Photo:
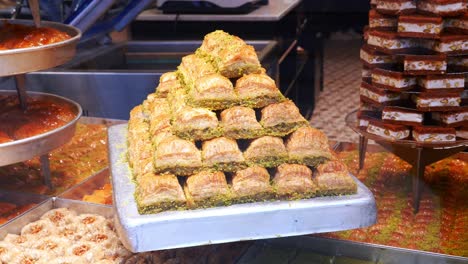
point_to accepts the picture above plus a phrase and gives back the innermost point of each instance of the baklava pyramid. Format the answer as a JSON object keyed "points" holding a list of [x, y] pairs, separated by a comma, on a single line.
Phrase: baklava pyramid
{"points": [[219, 131]]}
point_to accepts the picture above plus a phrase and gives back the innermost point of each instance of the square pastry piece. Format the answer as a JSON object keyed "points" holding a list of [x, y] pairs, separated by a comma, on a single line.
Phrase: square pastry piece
{"points": [[437, 101], [266, 151], [294, 181], [462, 132], [453, 118], [222, 154], [372, 58], [196, 124], [451, 82], [240, 122], [177, 156], [425, 64], [333, 178], [167, 82], [388, 131], [378, 97], [206, 189], [212, 91], [434, 134], [252, 184], [389, 42], [258, 90], [420, 26], [158, 192], [402, 116], [193, 67], [392, 80], [378, 20], [396, 7], [442, 7], [308, 146], [280, 119]]}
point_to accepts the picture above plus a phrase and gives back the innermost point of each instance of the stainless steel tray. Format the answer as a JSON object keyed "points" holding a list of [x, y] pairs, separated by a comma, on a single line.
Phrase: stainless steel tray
{"points": [[175, 229], [14, 227], [17, 61], [337, 249], [27, 148]]}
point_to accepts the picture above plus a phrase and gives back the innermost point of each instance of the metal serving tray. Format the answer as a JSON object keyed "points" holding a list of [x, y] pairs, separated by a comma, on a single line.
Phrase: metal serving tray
{"points": [[14, 227], [175, 229], [26, 148], [293, 247], [17, 61]]}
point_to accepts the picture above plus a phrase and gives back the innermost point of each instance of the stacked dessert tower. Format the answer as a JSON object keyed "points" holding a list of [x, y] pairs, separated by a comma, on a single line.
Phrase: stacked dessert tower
{"points": [[218, 131], [415, 69]]}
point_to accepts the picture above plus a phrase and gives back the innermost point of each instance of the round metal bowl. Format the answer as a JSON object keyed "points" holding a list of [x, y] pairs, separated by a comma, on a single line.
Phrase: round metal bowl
{"points": [[27, 148], [18, 61]]}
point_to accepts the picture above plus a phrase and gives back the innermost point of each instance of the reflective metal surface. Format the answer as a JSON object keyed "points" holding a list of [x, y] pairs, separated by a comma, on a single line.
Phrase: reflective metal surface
{"points": [[27, 148], [175, 229], [17, 61]]}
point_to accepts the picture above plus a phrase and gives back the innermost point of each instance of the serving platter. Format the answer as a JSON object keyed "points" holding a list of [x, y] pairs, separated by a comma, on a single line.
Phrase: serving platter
{"points": [[27, 148], [177, 229], [18, 61]]}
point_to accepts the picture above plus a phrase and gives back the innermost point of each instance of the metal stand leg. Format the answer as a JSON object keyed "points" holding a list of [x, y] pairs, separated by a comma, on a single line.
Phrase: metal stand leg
{"points": [[20, 81], [418, 174], [45, 169], [362, 150]]}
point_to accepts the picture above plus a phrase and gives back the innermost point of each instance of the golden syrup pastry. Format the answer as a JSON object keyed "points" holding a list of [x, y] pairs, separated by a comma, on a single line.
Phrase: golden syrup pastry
{"points": [[196, 124], [308, 146], [252, 184], [207, 188], [333, 178], [266, 151], [282, 118], [212, 91], [222, 154], [294, 181], [257, 90], [178, 155], [240, 122]]}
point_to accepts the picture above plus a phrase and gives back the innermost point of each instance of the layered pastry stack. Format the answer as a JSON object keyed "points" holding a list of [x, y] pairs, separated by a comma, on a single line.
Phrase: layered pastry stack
{"points": [[218, 131], [415, 67]]}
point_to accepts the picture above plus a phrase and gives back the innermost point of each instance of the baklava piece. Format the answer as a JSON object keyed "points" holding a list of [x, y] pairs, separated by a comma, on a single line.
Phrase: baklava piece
{"points": [[392, 80], [280, 119], [159, 116], [196, 124], [177, 100], [294, 181], [266, 151], [433, 134], [402, 116], [258, 90], [455, 118], [222, 154], [158, 192], [333, 178], [308, 146], [177, 156], [240, 122], [443, 101], [167, 82], [388, 131], [140, 152], [207, 189], [396, 7], [252, 184], [425, 64], [231, 55], [451, 82], [193, 67], [213, 91]]}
